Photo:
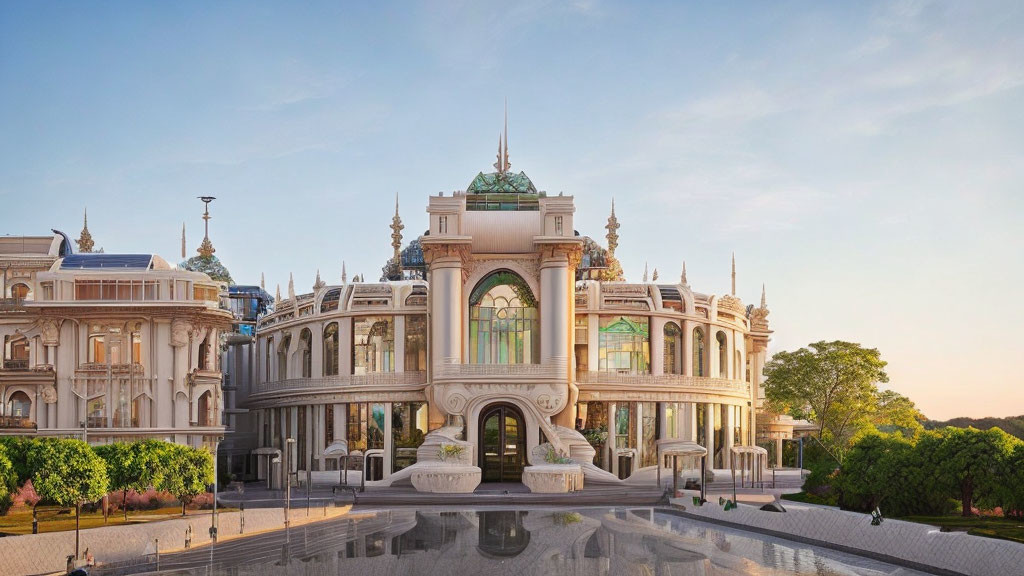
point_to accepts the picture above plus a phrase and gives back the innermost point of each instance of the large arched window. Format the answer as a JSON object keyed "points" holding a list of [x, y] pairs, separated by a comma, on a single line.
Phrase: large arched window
{"points": [[415, 343], [206, 416], [373, 349], [723, 355], [282, 357], [331, 300], [623, 345], [20, 405], [503, 323], [673, 340], [306, 345], [331, 349], [699, 353], [15, 353], [19, 291]]}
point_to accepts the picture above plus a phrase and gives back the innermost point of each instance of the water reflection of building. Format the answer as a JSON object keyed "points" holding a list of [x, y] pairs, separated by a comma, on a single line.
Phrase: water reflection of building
{"points": [[512, 326]]}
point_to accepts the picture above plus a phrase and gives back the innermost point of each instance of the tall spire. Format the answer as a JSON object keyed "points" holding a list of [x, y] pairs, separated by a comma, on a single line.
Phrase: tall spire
{"points": [[263, 283], [764, 301], [277, 296], [206, 248], [318, 284], [506, 164], [682, 277], [613, 231], [499, 165], [84, 241], [396, 236], [291, 287], [733, 273], [654, 276], [645, 271], [184, 253], [344, 276]]}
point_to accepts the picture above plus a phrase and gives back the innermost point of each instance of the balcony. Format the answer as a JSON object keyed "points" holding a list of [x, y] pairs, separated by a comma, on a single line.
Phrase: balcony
{"points": [[500, 371], [17, 422], [100, 368], [11, 304], [666, 382], [16, 364], [342, 383]]}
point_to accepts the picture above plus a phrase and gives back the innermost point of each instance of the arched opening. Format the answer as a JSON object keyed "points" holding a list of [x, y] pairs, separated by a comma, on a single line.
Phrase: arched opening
{"points": [[624, 345], [415, 343], [374, 345], [502, 534], [502, 452], [723, 355], [268, 357], [19, 292], [673, 342], [699, 353], [503, 323], [15, 353], [331, 349], [206, 417], [19, 405], [306, 346], [204, 354], [282, 357], [331, 300]]}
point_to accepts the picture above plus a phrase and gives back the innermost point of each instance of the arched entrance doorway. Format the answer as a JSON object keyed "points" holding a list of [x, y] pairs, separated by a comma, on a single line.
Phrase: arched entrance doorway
{"points": [[502, 444]]}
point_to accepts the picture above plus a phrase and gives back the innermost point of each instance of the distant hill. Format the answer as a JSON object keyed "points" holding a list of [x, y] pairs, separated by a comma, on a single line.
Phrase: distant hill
{"points": [[1011, 425]]}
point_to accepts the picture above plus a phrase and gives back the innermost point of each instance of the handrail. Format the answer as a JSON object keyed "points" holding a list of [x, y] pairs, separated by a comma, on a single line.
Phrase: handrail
{"points": [[343, 381]]}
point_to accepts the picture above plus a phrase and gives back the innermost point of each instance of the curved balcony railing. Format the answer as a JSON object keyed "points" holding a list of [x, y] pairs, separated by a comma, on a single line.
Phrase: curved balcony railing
{"points": [[664, 380], [383, 379], [471, 371]]}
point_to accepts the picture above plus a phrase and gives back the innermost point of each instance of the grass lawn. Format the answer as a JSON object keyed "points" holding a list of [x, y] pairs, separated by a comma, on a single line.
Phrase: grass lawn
{"points": [[992, 527], [19, 521]]}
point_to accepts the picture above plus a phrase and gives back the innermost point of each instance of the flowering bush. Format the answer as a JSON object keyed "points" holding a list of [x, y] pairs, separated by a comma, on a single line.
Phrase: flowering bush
{"points": [[26, 495]]}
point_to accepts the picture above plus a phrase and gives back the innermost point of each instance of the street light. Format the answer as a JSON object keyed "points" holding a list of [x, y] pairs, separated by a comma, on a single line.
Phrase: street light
{"points": [[287, 481]]}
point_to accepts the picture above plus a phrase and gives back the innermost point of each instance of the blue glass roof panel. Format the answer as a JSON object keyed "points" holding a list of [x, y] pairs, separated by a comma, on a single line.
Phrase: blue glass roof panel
{"points": [[106, 262]]}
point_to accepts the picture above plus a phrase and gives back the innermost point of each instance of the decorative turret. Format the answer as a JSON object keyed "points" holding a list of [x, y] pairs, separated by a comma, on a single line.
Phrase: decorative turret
{"points": [[206, 249], [759, 316], [396, 237], [84, 241], [682, 277], [205, 261], [654, 276], [344, 276], [645, 271], [318, 284], [733, 274], [277, 296], [291, 288], [613, 231]]}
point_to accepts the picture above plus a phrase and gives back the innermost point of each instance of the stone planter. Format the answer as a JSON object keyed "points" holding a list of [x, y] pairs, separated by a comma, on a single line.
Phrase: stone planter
{"points": [[444, 478], [553, 478]]}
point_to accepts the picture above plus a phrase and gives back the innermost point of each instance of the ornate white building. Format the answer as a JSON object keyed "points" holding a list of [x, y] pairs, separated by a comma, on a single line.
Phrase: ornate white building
{"points": [[107, 346], [501, 328]]}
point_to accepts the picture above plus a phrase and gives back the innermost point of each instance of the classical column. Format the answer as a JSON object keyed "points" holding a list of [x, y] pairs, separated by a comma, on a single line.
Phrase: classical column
{"points": [[613, 462], [657, 332], [399, 343], [446, 292], [709, 432], [389, 442], [727, 436], [554, 310]]}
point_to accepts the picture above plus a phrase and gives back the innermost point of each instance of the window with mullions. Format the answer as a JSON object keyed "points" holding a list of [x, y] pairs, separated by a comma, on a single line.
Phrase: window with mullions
{"points": [[673, 341], [374, 345], [723, 355], [415, 343], [331, 349], [623, 345], [699, 353], [503, 322]]}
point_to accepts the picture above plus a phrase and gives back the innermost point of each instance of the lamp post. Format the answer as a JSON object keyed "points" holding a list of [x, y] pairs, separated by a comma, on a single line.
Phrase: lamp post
{"points": [[287, 481], [213, 517]]}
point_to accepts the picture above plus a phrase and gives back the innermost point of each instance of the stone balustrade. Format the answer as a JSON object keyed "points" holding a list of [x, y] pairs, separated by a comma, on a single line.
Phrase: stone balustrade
{"points": [[341, 382], [664, 380]]}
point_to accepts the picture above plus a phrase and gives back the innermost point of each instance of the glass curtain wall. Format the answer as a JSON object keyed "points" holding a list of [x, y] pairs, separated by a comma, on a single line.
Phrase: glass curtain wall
{"points": [[624, 345], [408, 428], [365, 426], [673, 343], [504, 327]]}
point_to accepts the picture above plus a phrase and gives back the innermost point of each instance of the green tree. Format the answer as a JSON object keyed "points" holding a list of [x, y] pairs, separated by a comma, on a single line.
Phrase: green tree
{"points": [[187, 472], [8, 481], [872, 470], [132, 466], [1011, 489], [17, 448], [969, 463], [832, 383], [897, 413], [67, 473]]}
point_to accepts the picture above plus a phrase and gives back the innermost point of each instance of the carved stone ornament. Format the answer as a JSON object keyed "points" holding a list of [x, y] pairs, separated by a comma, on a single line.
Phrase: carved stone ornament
{"points": [[731, 303], [49, 394], [50, 329], [759, 319], [179, 332]]}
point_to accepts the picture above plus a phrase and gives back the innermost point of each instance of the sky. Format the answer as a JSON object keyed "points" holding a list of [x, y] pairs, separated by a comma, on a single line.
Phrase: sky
{"points": [[863, 160]]}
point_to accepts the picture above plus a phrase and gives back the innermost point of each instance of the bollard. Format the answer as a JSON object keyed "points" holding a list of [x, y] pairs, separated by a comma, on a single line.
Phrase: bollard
{"points": [[157, 545], [188, 537], [241, 519]]}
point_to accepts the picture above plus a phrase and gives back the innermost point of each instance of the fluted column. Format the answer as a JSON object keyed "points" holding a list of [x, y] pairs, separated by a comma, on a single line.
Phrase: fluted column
{"points": [[554, 310], [709, 432], [657, 335], [446, 311]]}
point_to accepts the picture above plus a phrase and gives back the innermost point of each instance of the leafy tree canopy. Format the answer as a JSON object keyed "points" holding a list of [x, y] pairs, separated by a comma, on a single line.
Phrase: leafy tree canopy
{"points": [[66, 471]]}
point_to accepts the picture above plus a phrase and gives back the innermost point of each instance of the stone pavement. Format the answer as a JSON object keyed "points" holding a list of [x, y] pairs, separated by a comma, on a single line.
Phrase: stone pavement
{"points": [[916, 546], [47, 553]]}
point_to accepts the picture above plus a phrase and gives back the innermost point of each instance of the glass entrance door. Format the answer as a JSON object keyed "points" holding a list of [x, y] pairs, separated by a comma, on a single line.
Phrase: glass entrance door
{"points": [[502, 444]]}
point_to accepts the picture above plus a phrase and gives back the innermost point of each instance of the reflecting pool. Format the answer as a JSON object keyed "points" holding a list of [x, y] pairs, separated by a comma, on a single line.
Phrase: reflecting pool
{"points": [[584, 542]]}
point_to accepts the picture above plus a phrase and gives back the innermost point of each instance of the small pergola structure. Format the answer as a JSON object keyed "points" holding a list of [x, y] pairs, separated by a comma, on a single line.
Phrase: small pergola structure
{"points": [[677, 448], [752, 458], [339, 449]]}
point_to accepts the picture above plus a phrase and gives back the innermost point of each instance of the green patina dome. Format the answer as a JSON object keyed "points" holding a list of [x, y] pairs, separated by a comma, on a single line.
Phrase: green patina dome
{"points": [[501, 183], [209, 265]]}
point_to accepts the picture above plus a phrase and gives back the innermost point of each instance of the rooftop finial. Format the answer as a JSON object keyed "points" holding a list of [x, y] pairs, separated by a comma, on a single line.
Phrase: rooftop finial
{"points": [[184, 253], [206, 248], [318, 284], [291, 287], [764, 301], [396, 235], [344, 276], [613, 231], [277, 296], [682, 277], [645, 271], [84, 241], [263, 282], [506, 164], [498, 164], [654, 276], [733, 273]]}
